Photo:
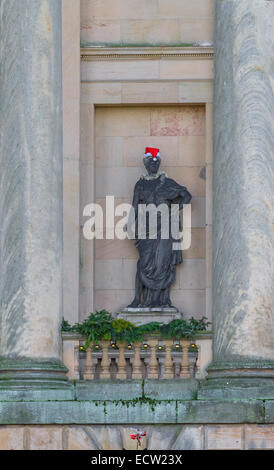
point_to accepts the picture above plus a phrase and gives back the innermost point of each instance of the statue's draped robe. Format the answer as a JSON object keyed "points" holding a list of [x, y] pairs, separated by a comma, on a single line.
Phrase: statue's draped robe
{"points": [[156, 268]]}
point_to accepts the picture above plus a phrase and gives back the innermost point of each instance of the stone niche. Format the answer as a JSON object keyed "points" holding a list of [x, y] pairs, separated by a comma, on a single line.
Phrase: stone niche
{"points": [[121, 135], [132, 97]]}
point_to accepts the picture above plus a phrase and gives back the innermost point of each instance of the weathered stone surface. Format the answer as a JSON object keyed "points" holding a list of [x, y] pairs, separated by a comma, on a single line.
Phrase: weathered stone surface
{"points": [[186, 69], [259, 437], [171, 389], [71, 150], [139, 316], [117, 437], [150, 31], [121, 70], [149, 92], [107, 437], [122, 122], [31, 181], [161, 437], [101, 92], [45, 437], [178, 121], [112, 300], [189, 438], [269, 411], [224, 437], [175, 8], [191, 302], [11, 438], [87, 412], [94, 437], [108, 390], [243, 191], [220, 412], [79, 438], [226, 387], [12, 392], [86, 274], [150, 21], [136, 412], [243, 187]]}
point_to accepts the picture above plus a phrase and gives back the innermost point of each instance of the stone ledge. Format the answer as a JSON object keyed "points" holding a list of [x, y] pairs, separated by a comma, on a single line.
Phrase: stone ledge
{"points": [[269, 411], [138, 316], [180, 389], [249, 411], [37, 394], [117, 437], [103, 52], [136, 412], [26, 379], [108, 390], [252, 391]]}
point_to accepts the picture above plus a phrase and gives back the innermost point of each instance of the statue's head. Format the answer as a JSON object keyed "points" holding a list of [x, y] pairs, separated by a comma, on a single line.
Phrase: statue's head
{"points": [[152, 160]]}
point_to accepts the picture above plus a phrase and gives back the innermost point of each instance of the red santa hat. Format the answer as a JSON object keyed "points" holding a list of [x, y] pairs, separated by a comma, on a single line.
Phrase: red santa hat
{"points": [[152, 152]]}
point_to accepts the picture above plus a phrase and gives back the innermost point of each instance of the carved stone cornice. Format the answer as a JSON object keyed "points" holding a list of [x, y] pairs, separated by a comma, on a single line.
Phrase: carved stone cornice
{"points": [[96, 53]]}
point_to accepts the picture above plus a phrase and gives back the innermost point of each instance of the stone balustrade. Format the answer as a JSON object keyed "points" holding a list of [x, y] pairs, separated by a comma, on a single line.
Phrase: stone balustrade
{"points": [[155, 358]]}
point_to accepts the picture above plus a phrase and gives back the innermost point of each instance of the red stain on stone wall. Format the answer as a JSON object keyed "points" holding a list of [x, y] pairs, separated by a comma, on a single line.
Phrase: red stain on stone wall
{"points": [[178, 121]]}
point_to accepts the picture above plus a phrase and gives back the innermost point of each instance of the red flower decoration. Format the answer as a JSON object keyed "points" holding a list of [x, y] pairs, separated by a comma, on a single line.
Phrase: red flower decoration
{"points": [[139, 436]]}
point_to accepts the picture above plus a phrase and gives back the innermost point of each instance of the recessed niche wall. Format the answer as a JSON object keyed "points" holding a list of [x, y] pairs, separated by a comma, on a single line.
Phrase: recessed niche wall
{"points": [[121, 134]]}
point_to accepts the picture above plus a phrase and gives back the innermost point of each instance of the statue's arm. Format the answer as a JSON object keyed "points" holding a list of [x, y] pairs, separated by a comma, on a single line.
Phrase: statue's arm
{"points": [[186, 196], [177, 193]]}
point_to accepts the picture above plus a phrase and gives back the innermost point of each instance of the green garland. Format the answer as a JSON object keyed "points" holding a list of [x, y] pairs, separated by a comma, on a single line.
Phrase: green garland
{"points": [[101, 326]]}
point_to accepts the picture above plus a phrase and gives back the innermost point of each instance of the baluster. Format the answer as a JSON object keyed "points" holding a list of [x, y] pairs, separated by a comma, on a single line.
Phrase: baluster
{"points": [[177, 367], [137, 363], [121, 373], [161, 361], [153, 364], [88, 375], [168, 373], [76, 375], [198, 360], [177, 360], [185, 362], [105, 364], [146, 364]]}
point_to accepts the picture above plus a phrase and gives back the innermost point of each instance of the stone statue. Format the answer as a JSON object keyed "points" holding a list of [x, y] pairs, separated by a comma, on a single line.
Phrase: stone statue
{"points": [[156, 267]]}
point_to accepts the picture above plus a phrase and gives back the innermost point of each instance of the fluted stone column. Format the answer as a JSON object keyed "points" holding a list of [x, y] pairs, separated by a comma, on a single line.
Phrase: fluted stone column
{"points": [[31, 194], [243, 319]]}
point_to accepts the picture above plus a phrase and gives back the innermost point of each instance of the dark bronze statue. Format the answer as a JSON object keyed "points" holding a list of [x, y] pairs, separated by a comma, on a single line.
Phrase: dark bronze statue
{"points": [[156, 267]]}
